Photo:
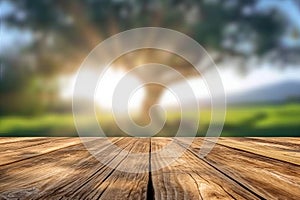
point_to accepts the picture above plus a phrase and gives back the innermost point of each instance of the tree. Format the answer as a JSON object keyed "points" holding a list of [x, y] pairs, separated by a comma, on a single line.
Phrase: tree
{"points": [[227, 29]]}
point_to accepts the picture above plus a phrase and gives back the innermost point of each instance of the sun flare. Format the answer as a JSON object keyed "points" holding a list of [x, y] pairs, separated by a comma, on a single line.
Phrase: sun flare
{"points": [[105, 89]]}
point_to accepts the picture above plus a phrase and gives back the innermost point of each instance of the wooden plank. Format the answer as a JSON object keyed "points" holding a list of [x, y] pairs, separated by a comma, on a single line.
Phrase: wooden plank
{"points": [[130, 179], [285, 149], [105, 182], [270, 178], [16, 151], [17, 139], [284, 140], [19, 145], [75, 174], [51, 174], [189, 177]]}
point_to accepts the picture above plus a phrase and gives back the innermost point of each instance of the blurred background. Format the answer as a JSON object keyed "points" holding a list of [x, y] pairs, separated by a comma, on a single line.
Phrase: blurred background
{"points": [[255, 44]]}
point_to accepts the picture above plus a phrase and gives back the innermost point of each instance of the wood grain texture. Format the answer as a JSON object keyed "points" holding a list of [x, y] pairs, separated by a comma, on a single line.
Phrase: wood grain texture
{"points": [[15, 151], [267, 177], [62, 168], [189, 177], [284, 149], [16, 139]]}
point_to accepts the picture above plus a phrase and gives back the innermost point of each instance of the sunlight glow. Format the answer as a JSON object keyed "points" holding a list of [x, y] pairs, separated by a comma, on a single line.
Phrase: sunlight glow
{"points": [[232, 81], [104, 92]]}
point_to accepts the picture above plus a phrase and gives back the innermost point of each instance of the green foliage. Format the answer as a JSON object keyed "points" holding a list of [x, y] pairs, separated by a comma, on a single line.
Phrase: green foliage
{"points": [[270, 120], [52, 125]]}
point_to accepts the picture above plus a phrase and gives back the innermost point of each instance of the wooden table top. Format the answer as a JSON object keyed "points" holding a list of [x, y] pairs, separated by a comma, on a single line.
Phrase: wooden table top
{"points": [[236, 168]]}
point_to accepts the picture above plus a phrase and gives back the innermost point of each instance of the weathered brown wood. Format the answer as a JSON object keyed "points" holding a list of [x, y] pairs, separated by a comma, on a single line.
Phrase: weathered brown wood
{"points": [[74, 173], [191, 178], [17, 139], [269, 178], [15, 151], [123, 183], [285, 149], [55, 173], [62, 168], [106, 182]]}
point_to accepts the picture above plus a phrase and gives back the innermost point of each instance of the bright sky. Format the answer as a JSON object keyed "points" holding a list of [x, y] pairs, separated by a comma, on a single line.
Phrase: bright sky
{"points": [[232, 81]]}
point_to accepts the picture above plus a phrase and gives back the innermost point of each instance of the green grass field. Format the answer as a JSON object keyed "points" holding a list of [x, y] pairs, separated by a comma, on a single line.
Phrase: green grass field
{"points": [[259, 120]]}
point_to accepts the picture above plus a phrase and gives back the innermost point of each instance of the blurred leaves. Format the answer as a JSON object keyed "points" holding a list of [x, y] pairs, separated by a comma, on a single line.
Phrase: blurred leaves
{"points": [[64, 32]]}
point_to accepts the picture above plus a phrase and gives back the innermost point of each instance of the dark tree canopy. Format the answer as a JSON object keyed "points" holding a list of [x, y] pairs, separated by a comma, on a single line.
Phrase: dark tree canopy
{"points": [[70, 29]]}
